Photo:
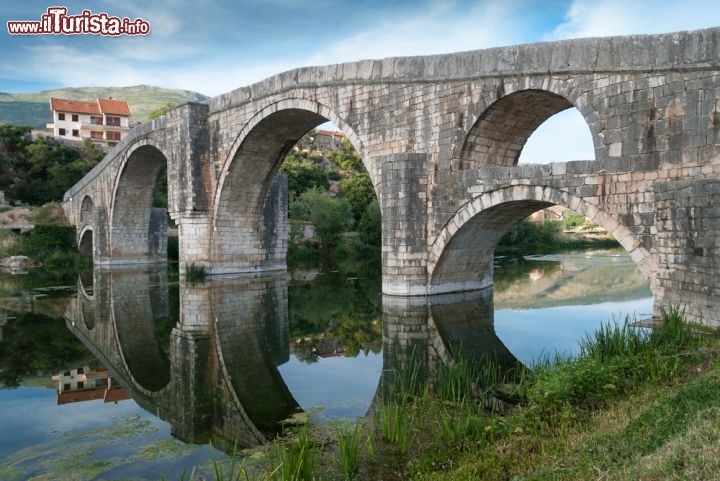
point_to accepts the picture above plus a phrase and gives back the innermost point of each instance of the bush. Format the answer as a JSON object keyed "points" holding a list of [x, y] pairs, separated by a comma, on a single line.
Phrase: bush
{"points": [[46, 239], [526, 235], [584, 383]]}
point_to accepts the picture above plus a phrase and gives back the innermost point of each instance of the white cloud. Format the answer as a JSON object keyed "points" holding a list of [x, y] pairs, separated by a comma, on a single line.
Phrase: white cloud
{"points": [[443, 27], [77, 68], [600, 18]]}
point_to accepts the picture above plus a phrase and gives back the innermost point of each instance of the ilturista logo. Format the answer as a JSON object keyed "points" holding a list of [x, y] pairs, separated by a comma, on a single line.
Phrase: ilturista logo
{"points": [[56, 21]]}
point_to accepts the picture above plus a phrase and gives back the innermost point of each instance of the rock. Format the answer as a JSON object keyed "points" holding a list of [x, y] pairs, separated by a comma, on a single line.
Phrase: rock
{"points": [[16, 264]]}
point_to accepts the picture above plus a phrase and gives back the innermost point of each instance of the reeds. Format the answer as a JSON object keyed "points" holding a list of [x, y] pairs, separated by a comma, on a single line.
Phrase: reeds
{"points": [[297, 460], [348, 439]]}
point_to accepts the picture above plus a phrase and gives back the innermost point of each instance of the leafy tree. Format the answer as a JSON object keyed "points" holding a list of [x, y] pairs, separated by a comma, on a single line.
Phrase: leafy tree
{"points": [[528, 236], [330, 216], [347, 158], [369, 226], [358, 190], [303, 175], [160, 111], [13, 139], [50, 169], [40, 171]]}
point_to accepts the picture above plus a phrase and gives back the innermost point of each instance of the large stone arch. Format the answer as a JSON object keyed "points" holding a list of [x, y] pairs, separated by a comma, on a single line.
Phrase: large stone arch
{"points": [[246, 235], [138, 232], [511, 114], [461, 256], [143, 359]]}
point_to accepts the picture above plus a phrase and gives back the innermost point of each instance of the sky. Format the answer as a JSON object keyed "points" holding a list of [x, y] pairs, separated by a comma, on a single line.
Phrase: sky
{"points": [[215, 47]]}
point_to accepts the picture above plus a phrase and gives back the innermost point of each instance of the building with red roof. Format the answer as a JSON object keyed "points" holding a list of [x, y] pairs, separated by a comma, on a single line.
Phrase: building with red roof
{"points": [[105, 121], [327, 139]]}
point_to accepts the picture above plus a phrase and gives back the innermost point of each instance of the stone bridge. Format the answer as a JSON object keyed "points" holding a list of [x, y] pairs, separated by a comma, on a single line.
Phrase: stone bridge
{"points": [[441, 137]]}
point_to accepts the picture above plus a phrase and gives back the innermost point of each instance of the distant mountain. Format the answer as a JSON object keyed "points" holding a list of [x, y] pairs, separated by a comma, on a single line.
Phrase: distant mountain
{"points": [[34, 108]]}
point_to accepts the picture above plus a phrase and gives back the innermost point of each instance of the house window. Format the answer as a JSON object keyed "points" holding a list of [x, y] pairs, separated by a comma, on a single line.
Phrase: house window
{"points": [[113, 136], [81, 385], [96, 120], [61, 132], [66, 387], [74, 117], [113, 121], [96, 135], [61, 116], [76, 133], [81, 370]]}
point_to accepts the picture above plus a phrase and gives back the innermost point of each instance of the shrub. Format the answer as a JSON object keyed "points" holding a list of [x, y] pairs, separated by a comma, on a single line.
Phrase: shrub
{"points": [[195, 273], [584, 383], [46, 239]]}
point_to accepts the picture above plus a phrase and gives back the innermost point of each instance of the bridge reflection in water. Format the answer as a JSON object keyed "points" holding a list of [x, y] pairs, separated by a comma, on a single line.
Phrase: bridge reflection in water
{"points": [[214, 377]]}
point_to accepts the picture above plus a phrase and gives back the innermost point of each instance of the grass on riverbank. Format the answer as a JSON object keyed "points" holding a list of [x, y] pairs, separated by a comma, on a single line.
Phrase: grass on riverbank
{"points": [[51, 242], [547, 237], [51, 245], [632, 405]]}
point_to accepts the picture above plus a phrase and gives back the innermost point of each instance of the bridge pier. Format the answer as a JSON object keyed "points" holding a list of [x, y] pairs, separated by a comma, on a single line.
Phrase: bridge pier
{"points": [[194, 237], [403, 204]]}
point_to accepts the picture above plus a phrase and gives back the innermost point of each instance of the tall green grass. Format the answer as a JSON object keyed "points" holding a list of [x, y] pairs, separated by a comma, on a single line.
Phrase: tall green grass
{"points": [[422, 427], [348, 438], [617, 358], [298, 459]]}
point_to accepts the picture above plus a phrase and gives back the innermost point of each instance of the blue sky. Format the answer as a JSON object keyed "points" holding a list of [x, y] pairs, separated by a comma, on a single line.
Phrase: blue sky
{"points": [[216, 47]]}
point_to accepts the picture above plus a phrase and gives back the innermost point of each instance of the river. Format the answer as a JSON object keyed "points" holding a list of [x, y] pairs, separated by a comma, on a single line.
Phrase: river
{"points": [[129, 374]]}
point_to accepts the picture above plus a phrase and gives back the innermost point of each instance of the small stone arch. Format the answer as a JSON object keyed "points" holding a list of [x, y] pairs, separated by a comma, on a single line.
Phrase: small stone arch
{"points": [[86, 210], [510, 115], [461, 256], [85, 242]]}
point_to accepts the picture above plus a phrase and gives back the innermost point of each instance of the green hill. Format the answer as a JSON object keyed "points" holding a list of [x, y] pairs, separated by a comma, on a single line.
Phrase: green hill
{"points": [[34, 108]]}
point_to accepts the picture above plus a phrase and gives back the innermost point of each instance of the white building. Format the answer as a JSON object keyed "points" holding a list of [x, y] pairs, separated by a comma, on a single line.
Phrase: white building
{"points": [[104, 121], [328, 139]]}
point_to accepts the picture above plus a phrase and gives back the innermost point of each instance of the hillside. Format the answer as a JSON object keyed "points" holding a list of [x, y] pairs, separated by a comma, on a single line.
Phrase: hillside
{"points": [[34, 108]]}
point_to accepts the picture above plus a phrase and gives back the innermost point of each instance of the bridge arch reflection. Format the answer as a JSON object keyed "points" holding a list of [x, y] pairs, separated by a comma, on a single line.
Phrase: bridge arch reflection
{"points": [[217, 379]]}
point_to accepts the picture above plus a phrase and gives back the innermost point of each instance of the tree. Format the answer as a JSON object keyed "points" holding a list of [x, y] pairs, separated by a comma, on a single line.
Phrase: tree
{"points": [[330, 216], [303, 175], [160, 111], [50, 169], [347, 158], [369, 226], [358, 190]]}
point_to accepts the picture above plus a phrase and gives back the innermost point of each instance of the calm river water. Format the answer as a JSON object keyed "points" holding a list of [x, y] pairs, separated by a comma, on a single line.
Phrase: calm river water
{"points": [[129, 374]]}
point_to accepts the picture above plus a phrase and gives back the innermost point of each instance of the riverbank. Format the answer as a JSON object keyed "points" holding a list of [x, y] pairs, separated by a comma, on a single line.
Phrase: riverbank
{"points": [[631, 406]]}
